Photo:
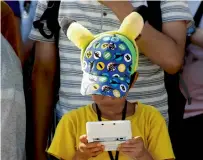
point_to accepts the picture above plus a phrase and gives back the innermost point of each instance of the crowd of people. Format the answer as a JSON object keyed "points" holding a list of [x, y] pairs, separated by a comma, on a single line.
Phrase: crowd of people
{"points": [[52, 64]]}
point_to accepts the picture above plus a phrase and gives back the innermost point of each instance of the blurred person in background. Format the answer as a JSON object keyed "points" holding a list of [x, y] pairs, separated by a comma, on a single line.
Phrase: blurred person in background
{"points": [[10, 25], [13, 116], [27, 8], [190, 148]]}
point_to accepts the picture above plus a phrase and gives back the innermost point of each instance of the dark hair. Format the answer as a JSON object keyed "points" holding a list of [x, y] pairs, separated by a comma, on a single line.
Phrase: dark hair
{"points": [[132, 78]]}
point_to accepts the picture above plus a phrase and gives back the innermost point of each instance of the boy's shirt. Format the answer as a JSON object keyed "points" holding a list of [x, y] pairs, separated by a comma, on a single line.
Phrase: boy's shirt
{"points": [[146, 122], [149, 88]]}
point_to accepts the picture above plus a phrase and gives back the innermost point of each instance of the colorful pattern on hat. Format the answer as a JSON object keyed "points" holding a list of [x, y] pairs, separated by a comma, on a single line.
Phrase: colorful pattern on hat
{"points": [[108, 63]]}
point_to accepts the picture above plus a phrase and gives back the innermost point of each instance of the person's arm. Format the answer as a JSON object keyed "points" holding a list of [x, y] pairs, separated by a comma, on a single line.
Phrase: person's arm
{"points": [[15, 7], [43, 94], [165, 49], [18, 25], [10, 28], [196, 38], [42, 84]]}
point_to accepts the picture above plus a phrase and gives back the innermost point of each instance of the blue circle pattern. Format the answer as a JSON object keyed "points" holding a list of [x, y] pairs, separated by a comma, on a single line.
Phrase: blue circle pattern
{"points": [[111, 62]]}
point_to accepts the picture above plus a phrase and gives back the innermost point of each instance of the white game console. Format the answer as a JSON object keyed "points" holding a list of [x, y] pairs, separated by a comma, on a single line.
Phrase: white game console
{"points": [[109, 133]]}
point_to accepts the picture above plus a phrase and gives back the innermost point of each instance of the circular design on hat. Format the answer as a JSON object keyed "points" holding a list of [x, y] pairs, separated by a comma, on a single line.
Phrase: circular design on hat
{"points": [[103, 79], [118, 56], [123, 88], [111, 66], [116, 93], [84, 65], [114, 39], [88, 54], [105, 74], [127, 57], [104, 45], [96, 45], [122, 47], [107, 55], [106, 38], [100, 66], [97, 54], [121, 78], [106, 88], [114, 81], [116, 75], [112, 46], [95, 87], [121, 67]]}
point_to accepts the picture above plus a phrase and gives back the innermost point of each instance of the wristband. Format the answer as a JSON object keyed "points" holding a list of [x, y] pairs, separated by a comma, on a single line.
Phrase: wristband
{"points": [[143, 11]]}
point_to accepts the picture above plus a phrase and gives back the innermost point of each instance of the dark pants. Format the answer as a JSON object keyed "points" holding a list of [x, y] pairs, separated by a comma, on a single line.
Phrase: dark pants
{"points": [[190, 146]]}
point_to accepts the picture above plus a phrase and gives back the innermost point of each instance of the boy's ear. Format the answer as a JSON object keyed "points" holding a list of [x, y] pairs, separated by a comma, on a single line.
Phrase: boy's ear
{"points": [[131, 26], [79, 35]]}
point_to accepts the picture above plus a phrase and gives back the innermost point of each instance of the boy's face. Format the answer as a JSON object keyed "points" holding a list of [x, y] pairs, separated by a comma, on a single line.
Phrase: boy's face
{"points": [[106, 100]]}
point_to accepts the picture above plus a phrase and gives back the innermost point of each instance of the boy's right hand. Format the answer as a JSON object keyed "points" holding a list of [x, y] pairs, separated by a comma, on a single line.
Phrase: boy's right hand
{"points": [[87, 150]]}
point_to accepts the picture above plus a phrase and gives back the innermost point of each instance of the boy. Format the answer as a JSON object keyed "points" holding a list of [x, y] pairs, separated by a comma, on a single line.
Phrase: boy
{"points": [[158, 53], [109, 63]]}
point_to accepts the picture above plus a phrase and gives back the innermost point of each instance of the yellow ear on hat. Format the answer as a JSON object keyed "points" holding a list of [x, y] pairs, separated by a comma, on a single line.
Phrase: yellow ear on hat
{"points": [[132, 26], [79, 35]]}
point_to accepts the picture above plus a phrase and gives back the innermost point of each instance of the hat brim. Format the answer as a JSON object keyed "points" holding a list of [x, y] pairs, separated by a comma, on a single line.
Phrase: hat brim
{"points": [[103, 85]]}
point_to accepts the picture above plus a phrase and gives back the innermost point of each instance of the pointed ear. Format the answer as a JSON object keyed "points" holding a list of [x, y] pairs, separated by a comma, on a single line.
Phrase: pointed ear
{"points": [[132, 26], [79, 35]]}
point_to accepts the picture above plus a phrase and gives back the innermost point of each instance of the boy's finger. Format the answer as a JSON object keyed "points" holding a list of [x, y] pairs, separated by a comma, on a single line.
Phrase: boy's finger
{"points": [[93, 145], [134, 140], [83, 139], [128, 153], [130, 141], [124, 149], [82, 146], [137, 139], [126, 145], [96, 149], [94, 154]]}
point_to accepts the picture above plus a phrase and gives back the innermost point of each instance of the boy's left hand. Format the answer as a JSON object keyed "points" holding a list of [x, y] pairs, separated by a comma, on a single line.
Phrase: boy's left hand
{"points": [[134, 148]]}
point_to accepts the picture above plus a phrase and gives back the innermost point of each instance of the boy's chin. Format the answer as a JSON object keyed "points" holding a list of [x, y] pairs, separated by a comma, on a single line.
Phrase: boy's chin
{"points": [[107, 100]]}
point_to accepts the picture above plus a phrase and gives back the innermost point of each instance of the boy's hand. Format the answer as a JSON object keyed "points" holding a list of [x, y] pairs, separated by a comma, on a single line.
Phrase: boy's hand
{"points": [[87, 150], [135, 149]]}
